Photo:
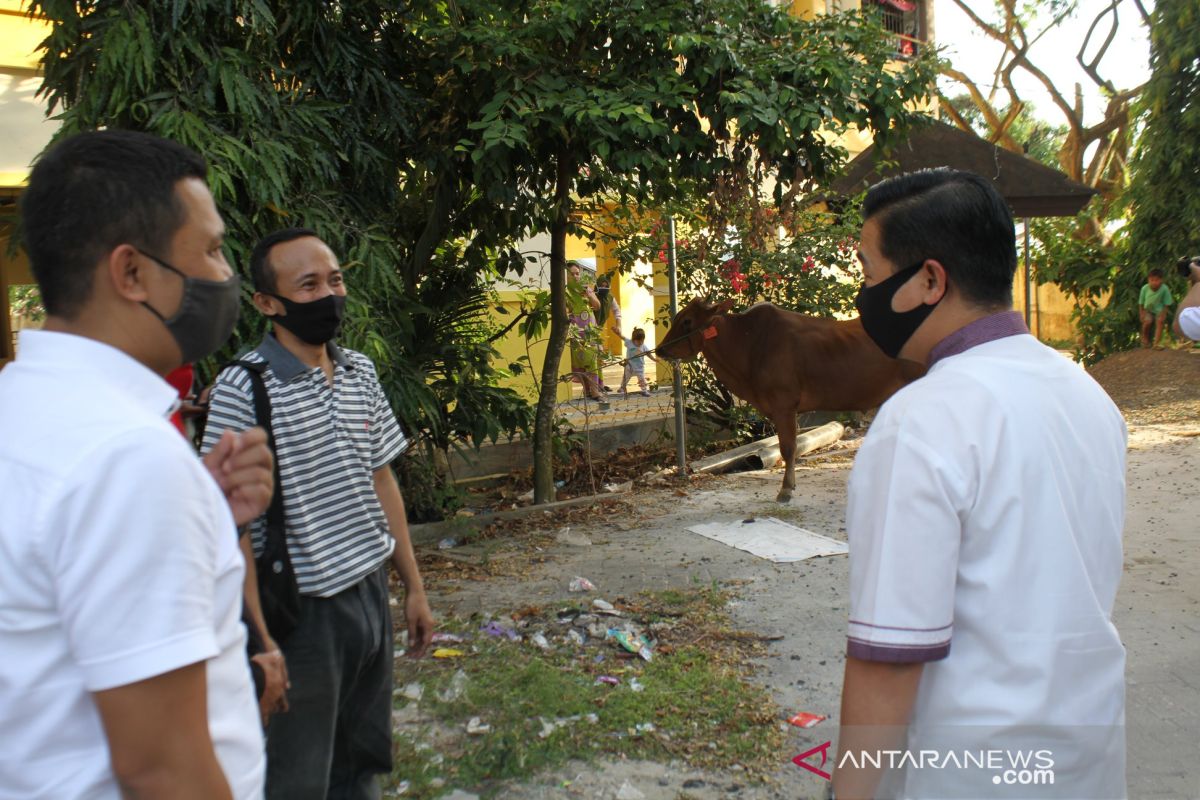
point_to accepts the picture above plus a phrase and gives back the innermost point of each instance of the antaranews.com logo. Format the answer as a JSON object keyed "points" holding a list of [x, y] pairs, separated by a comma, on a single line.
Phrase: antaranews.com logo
{"points": [[1007, 767]]}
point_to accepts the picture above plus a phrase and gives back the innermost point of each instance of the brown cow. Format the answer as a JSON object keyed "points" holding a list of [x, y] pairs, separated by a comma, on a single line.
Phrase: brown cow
{"points": [[783, 363]]}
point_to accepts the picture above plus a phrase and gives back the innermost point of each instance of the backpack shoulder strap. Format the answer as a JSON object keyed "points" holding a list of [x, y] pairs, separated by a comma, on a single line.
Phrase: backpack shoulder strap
{"points": [[262, 414]]}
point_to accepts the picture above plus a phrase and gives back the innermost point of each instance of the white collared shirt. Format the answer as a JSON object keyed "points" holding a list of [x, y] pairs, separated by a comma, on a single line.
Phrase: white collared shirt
{"points": [[118, 562], [985, 513]]}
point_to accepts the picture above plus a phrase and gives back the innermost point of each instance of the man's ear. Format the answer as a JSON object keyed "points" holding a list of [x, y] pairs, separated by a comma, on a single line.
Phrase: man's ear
{"points": [[935, 283], [125, 273], [267, 305]]}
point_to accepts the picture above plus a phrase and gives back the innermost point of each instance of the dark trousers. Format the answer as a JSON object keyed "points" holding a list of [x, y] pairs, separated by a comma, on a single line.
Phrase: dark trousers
{"points": [[337, 736]]}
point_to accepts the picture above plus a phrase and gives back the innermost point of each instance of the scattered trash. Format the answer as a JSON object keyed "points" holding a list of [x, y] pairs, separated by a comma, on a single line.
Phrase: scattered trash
{"points": [[644, 727], [806, 720], [413, 691], [401, 788], [559, 484], [448, 652], [527, 497], [565, 536], [576, 637], [456, 689], [605, 607], [568, 616], [540, 640], [447, 543], [591, 719], [639, 645], [608, 680], [496, 629], [579, 584], [476, 727], [636, 685], [453, 638], [748, 521], [617, 488], [629, 792]]}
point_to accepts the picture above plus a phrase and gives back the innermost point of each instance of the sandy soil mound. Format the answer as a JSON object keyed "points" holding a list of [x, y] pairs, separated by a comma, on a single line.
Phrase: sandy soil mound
{"points": [[1153, 386]]}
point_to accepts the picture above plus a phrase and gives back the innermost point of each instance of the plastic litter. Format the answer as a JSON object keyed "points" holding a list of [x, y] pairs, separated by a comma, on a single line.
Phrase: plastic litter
{"points": [[453, 638], [402, 788], [644, 727], [579, 584], [447, 543], [806, 720], [496, 629], [540, 640], [602, 605], [608, 680], [456, 689], [617, 488], [636, 685], [413, 691], [448, 652], [576, 637], [476, 727], [639, 645]]}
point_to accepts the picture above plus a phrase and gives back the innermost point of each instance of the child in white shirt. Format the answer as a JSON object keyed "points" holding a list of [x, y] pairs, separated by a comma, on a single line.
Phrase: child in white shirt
{"points": [[636, 354]]}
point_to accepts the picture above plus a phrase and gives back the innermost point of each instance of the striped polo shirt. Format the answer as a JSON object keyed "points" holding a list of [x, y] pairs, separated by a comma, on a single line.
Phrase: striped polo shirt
{"points": [[329, 441]]}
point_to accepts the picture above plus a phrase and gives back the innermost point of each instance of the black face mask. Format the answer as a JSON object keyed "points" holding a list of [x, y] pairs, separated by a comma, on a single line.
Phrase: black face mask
{"points": [[207, 313], [314, 322], [888, 328]]}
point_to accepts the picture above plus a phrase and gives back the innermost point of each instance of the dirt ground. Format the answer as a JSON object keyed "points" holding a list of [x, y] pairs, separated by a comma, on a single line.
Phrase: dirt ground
{"points": [[644, 544]]}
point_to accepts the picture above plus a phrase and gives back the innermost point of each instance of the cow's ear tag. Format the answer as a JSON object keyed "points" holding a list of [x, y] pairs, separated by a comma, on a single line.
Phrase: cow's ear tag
{"points": [[710, 332]]}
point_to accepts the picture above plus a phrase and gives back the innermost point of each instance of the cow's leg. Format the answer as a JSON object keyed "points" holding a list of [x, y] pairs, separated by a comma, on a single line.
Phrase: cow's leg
{"points": [[785, 426]]}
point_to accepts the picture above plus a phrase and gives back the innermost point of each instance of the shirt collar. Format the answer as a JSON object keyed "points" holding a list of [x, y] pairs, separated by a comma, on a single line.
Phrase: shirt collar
{"points": [[286, 366], [983, 330], [70, 354]]}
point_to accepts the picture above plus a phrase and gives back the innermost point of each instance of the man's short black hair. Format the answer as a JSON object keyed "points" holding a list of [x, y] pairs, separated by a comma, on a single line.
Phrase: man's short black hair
{"points": [[93, 192], [954, 217], [261, 271], [1155, 272]]}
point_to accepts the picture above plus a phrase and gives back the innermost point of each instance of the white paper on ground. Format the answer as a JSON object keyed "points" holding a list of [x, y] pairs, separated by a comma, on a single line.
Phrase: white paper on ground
{"points": [[772, 539]]}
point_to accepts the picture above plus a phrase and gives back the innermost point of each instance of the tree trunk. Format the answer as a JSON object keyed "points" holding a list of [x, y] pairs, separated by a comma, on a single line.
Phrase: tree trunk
{"points": [[543, 426]]}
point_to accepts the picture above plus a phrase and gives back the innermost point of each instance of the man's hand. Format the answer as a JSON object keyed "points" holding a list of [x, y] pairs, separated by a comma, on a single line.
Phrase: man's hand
{"points": [[274, 667], [242, 465], [420, 623]]}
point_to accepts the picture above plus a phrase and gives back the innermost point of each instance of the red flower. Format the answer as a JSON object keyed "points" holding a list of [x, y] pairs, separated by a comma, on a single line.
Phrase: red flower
{"points": [[808, 264]]}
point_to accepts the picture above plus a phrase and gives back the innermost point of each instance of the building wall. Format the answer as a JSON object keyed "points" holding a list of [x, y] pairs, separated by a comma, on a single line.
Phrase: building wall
{"points": [[24, 132]]}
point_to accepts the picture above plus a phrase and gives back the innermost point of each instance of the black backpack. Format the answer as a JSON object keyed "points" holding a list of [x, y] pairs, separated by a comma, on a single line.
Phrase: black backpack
{"points": [[278, 592]]}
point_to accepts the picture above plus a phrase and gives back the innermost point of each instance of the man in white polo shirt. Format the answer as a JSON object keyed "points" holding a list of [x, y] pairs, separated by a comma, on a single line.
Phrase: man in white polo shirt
{"points": [[1187, 316], [123, 669], [984, 517]]}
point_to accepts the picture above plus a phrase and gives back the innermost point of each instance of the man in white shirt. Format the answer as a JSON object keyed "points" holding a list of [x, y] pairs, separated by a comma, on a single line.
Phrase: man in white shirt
{"points": [[1187, 317], [124, 670], [984, 516]]}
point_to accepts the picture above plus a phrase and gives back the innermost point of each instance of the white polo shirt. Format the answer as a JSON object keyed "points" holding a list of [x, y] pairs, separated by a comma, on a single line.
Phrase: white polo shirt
{"points": [[985, 514], [118, 562], [1189, 322]]}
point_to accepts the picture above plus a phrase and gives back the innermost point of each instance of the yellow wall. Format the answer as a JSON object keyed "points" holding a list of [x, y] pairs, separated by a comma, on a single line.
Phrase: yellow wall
{"points": [[24, 131]]}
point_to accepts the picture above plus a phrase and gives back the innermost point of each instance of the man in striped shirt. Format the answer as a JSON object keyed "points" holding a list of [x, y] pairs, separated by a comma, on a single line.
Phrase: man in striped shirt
{"points": [[335, 438]]}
